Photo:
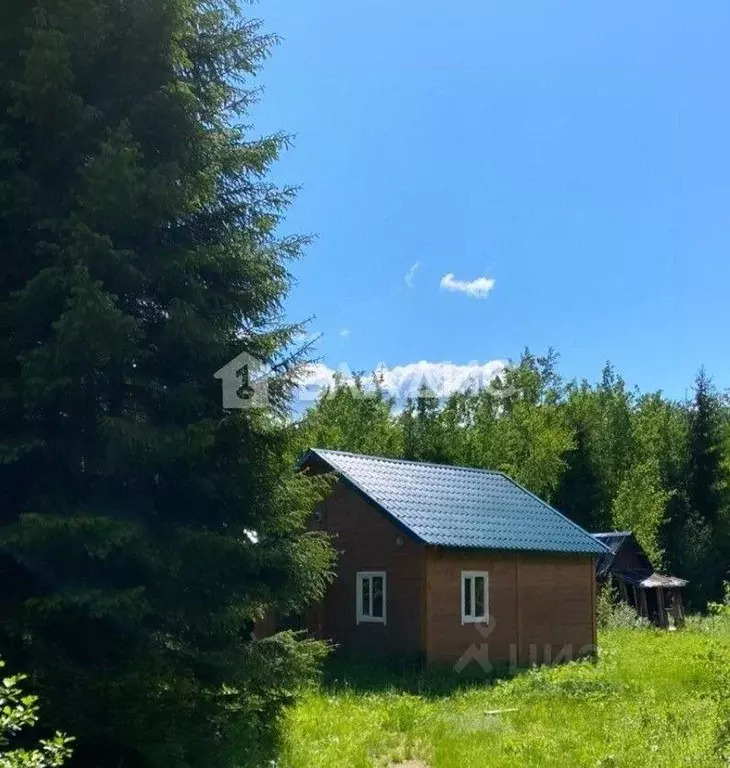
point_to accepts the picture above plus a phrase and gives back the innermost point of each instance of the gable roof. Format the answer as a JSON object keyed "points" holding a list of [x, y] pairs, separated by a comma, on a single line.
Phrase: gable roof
{"points": [[614, 540], [459, 506], [641, 577]]}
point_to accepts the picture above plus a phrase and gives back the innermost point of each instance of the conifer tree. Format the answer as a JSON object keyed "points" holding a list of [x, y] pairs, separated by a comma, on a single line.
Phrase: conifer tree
{"points": [[705, 472], [704, 536], [143, 529], [578, 494]]}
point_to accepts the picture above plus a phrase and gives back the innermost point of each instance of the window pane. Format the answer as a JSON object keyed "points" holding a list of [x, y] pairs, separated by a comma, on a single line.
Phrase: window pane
{"points": [[479, 596], [467, 597], [378, 597], [365, 587]]}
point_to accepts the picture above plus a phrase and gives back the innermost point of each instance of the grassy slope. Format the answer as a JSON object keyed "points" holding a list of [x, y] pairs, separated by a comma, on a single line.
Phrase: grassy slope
{"points": [[654, 699]]}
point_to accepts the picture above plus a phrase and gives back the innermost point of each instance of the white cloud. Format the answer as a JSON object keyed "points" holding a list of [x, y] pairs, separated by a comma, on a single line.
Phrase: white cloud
{"points": [[345, 332], [479, 288], [403, 381], [410, 276]]}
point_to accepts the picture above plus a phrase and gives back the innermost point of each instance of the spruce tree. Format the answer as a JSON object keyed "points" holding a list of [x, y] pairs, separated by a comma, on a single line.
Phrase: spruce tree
{"points": [[705, 471], [704, 535], [143, 529], [579, 492]]}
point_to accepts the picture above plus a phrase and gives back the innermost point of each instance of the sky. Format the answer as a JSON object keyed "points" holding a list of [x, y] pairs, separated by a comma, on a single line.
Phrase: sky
{"points": [[484, 176]]}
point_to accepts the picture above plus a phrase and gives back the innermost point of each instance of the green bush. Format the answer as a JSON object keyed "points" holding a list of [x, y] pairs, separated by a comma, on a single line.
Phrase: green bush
{"points": [[716, 620], [723, 608], [612, 613], [17, 711]]}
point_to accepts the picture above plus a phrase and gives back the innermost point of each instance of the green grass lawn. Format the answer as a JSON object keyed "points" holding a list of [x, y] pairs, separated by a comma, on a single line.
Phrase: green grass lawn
{"points": [[654, 698]]}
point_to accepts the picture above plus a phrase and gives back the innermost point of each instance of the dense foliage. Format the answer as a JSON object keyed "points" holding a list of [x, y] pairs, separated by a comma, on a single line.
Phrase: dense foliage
{"points": [[143, 530], [607, 456]]}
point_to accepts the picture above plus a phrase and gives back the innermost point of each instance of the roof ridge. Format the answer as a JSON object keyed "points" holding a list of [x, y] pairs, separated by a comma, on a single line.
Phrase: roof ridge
{"points": [[409, 461]]}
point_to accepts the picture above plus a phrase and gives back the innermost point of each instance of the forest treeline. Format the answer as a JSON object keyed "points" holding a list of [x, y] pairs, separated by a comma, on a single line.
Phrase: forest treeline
{"points": [[606, 455]]}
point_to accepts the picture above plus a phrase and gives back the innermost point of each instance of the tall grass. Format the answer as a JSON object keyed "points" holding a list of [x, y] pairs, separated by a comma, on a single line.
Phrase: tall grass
{"points": [[654, 698]]}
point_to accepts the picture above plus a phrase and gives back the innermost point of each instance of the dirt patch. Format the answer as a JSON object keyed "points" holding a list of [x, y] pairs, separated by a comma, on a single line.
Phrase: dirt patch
{"points": [[409, 764]]}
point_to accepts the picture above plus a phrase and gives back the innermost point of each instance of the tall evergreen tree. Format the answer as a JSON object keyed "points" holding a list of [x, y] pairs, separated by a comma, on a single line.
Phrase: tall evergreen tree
{"points": [[703, 538], [140, 254], [579, 492], [705, 472]]}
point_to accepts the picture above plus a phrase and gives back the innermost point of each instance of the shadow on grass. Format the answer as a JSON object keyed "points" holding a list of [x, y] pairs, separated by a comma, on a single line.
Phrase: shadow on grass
{"points": [[404, 675]]}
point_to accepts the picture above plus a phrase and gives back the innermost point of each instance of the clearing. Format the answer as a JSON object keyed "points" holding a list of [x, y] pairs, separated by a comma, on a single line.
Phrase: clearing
{"points": [[655, 698]]}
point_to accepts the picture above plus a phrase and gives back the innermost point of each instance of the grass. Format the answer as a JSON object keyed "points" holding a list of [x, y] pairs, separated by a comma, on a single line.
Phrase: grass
{"points": [[655, 698]]}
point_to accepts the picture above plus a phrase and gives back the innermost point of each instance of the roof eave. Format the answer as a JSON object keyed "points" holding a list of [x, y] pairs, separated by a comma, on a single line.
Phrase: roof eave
{"points": [[516, 550]]}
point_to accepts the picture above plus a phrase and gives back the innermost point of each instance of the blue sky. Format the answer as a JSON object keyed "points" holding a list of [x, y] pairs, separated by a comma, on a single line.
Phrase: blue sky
{"points": [[574, 153]]}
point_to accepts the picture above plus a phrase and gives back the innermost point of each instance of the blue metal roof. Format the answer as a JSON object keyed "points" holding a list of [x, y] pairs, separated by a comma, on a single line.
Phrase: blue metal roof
{"points": [[460, 506]]}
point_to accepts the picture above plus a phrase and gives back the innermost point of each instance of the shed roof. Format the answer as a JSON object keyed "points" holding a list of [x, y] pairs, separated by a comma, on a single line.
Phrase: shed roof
{"points": [[639, 577], [460, 506], [649, 580]]}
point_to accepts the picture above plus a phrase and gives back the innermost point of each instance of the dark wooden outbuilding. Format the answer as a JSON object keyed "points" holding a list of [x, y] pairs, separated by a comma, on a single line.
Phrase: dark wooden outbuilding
{"points": [[451, 564], [655, 596]]}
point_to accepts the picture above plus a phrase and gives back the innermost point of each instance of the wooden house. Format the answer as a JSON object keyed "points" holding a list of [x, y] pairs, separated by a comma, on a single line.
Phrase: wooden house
{"points": [[627, 567], [452, 564]]}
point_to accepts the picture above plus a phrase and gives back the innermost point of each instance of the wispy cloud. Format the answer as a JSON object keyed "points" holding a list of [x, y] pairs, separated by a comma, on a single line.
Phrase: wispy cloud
{"points": [[478, 288], [410, 276], [345, 332]]}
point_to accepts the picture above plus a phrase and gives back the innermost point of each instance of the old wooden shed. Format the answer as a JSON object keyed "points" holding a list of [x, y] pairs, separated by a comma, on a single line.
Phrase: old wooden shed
{"points": [[627, 568]]}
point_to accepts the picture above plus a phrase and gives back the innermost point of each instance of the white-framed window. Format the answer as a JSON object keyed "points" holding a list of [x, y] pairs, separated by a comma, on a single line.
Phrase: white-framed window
{"points": [[370, 596], [474, 597]]}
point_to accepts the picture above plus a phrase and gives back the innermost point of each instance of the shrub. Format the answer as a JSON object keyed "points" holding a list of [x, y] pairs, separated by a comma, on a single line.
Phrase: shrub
{"points": [[717, 620], [612, 613], [17, 711], [723, 608]]}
